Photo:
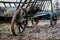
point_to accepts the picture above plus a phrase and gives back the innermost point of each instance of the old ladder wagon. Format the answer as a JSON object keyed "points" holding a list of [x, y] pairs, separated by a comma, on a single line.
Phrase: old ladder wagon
{"points": [[28, 9]]}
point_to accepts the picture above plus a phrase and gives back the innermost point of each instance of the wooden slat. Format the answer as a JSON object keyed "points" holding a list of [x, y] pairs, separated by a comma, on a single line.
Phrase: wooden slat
{"points": [[23, 3], [28, 4], [7, 2], [44, 0]]}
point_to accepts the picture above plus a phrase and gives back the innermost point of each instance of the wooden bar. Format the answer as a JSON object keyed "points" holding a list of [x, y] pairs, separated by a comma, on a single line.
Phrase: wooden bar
{"points": [[10, 4], [5, 5]]}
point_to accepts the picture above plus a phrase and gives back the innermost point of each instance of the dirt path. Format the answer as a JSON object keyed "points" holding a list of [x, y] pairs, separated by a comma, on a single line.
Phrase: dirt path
{"points": [[42, 31]]}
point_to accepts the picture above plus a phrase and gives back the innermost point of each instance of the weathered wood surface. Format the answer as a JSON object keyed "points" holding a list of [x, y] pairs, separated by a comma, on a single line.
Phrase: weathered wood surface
{"points": [[5, 18]]}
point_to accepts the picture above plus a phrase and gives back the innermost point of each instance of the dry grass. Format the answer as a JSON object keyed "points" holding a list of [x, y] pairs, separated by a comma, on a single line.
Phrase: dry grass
{"points": [[30, 33]]}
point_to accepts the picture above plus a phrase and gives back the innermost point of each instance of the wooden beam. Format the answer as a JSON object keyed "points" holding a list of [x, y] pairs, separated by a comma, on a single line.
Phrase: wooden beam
{"points": [[7, 2]]}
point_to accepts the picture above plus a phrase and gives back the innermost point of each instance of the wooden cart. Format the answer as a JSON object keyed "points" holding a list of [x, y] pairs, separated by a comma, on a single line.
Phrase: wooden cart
{"points": [[27, 10]]}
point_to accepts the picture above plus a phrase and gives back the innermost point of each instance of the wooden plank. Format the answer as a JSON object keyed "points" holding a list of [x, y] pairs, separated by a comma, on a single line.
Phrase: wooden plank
{"points": [[7, 2], [5, 19]]}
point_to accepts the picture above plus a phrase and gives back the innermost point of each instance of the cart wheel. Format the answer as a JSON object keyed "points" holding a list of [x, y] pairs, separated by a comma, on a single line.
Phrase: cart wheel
{"points": [[18, 23], [54, 20]]}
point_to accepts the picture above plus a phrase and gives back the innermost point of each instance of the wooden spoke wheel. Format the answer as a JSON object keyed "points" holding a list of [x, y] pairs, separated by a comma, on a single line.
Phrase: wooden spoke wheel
{"points": [[18, 23], [54, 20]]}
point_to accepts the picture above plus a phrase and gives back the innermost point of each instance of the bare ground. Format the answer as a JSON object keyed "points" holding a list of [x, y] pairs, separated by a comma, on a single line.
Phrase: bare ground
{"points": [[43, 31]]}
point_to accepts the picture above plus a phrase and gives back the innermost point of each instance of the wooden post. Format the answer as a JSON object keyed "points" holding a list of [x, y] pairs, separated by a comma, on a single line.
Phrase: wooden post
{"points": [[51, 9]]}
